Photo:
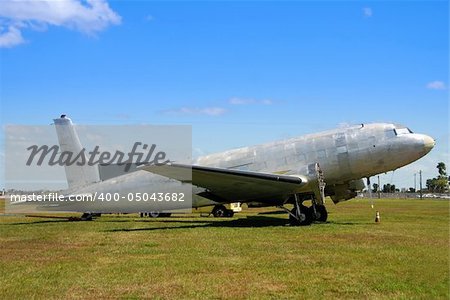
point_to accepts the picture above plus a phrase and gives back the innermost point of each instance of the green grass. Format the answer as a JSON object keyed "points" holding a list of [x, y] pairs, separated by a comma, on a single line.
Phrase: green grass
{"points": [[249, 256]]}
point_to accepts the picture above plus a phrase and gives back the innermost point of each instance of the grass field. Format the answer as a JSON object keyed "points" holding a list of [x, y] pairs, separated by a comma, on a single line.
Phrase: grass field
{"points": [[252, 255]]}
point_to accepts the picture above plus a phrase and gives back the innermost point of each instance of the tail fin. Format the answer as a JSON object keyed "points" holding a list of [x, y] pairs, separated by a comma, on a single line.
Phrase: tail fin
{"points": [[76, 175]]}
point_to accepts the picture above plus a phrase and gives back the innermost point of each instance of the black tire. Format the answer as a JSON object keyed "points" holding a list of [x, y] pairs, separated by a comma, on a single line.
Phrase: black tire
{"points": [[154, 214], [219, 211], [305, 217], [321, 214], [86, 217], [230, 213]]}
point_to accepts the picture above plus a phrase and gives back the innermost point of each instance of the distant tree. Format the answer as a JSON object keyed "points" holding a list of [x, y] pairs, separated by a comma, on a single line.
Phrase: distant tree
{"points": [[393, 189], [389, 188], [412, 190], [375, 187], [442, 169], [430, 185], [437, 185], [441, 182]]}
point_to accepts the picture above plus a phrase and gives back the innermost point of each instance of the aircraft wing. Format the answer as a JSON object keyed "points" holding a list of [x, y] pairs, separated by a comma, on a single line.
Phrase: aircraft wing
{"points": [[229, 185]]}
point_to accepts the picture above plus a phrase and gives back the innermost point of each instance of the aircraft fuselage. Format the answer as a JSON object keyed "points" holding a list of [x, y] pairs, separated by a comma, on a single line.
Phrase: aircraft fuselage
{"points": [[344, 154]]}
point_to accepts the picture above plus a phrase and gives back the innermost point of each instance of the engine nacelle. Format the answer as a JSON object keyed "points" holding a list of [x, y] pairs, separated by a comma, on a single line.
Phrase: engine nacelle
{"points": [[344, 192]]}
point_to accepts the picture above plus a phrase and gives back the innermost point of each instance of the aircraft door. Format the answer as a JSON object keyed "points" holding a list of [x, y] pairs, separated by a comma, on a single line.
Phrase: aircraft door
{"points": [[342, 154]]}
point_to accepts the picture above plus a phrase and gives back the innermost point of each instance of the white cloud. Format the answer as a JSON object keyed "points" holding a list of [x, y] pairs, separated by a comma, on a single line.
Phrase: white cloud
{"points": [[11, 37], [436, 85], [87, 16], [209, 111], [367, 11], [242, 101]]}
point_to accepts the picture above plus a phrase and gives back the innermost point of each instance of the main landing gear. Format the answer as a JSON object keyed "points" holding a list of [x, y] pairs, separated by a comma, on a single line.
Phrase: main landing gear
{"points": [[220, 211], [88, 216], [154, 214], [320, 214], [302, 215]]}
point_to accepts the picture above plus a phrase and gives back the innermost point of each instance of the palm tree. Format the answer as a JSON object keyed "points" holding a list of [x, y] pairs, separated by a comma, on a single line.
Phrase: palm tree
{"points": [[442, 169]]}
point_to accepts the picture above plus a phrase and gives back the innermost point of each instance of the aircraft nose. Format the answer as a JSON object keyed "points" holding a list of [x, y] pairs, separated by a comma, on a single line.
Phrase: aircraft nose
{"points": [[428, 143]]}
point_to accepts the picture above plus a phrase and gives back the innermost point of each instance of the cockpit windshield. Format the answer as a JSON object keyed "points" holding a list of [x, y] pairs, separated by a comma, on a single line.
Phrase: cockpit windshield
{"points": [[399, 130]]}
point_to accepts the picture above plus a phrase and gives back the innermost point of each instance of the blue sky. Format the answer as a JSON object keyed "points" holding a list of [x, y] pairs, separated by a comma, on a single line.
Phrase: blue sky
{"points": [[240, 72]]}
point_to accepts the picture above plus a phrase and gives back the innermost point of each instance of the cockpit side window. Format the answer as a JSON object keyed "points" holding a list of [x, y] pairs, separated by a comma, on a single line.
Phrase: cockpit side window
{"points": [[402, 130], [390, 133]]}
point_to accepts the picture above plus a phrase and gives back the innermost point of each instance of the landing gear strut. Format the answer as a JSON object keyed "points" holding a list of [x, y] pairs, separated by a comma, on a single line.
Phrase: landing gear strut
{"points": [[300, 215]]}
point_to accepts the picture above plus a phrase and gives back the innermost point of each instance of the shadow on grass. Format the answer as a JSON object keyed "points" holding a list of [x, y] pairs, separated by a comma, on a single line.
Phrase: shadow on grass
{"points": [[249, 222], [277, 212], [40, 222], [194, 222], [349, 223]]}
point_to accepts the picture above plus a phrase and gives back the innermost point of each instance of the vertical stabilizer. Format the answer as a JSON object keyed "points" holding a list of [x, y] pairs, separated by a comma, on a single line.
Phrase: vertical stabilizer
{"points": [[76, 175]]}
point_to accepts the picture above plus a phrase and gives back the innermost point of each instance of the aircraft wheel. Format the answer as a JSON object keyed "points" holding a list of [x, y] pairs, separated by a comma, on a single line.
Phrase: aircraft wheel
{"points": [[86, 217], [154, 214], [230, 213], [220, 211], [305, 217], [321, 214]]}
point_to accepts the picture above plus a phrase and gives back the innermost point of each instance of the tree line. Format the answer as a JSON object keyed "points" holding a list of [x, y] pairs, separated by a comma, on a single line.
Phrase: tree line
{"points": [[438, 184]]}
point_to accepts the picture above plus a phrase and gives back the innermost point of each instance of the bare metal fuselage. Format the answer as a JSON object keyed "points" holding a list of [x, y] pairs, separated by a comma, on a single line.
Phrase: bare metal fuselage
{"points": [[345, 155]]}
